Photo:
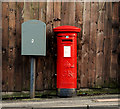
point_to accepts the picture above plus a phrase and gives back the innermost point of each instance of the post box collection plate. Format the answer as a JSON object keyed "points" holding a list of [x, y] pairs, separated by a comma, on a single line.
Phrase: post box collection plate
{"points": [[33, 38], [67, 51]]}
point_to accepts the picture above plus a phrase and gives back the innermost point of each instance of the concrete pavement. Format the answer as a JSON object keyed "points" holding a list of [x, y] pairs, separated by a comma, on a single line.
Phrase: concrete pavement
{"points": [[78, 102]]}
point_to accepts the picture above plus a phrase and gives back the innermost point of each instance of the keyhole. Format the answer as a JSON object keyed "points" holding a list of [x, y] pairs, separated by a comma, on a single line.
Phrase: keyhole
{"points": [[32, 41]]}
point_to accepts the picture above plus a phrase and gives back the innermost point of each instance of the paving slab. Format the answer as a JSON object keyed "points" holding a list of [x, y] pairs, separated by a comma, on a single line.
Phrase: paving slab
{"points": [[108, 100], [78, 102]]}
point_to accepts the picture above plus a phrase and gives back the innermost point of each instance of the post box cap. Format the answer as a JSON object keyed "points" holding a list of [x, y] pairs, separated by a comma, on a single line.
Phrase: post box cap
{"points": [[66, 28]]}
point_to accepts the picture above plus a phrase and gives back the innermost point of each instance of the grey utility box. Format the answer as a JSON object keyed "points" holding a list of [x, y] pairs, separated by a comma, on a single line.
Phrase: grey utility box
{"points": [[33, 38]]}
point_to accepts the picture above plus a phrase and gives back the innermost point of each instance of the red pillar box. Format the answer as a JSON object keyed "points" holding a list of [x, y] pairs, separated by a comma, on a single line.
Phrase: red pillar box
{"points": [[66, 59]]}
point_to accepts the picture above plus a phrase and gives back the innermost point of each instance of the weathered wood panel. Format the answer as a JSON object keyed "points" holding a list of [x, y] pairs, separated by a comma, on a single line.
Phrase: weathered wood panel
{"points": [[57, 14], [118, 51], [18, 64], [114, 71], [49, 60], [56, 22], [64, 14], [85, 45], [79, 23], [98, 43], [68, 13], [92, 45], [12, 46], [100, 46], [42, 11], [107, 29], [5, 30], [1, 46], [35, 10]]}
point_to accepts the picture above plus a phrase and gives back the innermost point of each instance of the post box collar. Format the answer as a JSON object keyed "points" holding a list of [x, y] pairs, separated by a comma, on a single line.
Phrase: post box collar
{"points": [[66, 28]]}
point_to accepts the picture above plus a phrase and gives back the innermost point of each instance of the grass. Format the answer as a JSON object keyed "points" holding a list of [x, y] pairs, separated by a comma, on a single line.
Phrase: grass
{"points": [[26, 95], [52, 93], [90, 92]]}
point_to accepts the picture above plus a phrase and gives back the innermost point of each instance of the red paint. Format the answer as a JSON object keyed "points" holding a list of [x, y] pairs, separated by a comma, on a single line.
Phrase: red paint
{"points": [[66, 66], [66, 28]]}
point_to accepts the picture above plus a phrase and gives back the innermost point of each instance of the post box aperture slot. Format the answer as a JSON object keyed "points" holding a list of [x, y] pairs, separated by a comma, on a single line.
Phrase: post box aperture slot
{"points": [[67, 41]]}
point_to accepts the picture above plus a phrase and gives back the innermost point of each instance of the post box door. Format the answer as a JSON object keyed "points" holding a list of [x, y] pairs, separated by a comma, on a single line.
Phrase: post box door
{"points": [[68, 65], [67, 74]]}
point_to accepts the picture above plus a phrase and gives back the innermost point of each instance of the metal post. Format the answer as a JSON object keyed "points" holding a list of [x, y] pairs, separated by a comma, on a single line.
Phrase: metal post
{"points": [[32, 77]]}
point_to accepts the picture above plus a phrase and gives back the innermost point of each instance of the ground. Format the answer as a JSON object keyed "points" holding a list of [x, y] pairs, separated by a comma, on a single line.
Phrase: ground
{"points": [[107, 101], [85, 99]]}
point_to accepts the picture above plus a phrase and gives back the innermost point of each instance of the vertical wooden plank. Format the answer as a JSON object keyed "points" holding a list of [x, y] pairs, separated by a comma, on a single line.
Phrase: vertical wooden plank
{"points": [[85, 45], [12, 46], [5, 18], [92, 44], [64, 13], [79, 24], [100, 47], [114, 46], [39, 74], [71, 13], [26, 59], [19, 58], [27, 11], [57, 14], [79, 14], [68, 13], [118, 50], [56, 22], [42, 11], [109, 37], [35, 10], [107, 33], [49, 59], [1, 46]]}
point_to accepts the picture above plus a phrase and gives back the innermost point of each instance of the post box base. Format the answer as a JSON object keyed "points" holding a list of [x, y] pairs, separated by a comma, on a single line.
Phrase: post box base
{"points": [[66, 92]]}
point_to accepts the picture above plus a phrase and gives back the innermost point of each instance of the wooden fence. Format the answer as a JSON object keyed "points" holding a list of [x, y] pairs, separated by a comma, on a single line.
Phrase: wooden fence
{"points": [[98, 43]]}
